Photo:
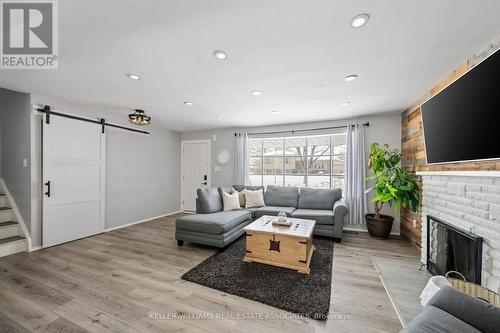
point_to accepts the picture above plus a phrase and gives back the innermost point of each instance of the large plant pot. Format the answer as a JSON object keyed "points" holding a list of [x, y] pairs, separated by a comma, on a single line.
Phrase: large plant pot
{"points": [[379, 228]]}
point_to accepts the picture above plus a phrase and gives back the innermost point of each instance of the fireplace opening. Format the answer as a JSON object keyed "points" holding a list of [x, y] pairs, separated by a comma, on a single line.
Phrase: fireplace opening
{"points": [[450, 248]]}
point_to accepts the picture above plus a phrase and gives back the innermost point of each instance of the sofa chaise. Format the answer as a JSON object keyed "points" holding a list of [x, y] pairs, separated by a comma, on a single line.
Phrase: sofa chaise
{"points": [[213, 226], [451, 311]]}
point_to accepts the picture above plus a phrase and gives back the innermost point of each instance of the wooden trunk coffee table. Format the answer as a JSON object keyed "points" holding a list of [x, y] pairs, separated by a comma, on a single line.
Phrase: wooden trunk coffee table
{"points": [[283, 246]]}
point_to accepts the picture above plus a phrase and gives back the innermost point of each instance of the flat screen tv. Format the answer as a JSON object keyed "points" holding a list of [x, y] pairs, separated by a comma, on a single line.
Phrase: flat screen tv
{"points": [[462, 122]]}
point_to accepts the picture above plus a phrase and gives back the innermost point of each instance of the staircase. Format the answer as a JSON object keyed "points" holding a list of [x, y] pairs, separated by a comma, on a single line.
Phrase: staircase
{"points": [[11, 236]]}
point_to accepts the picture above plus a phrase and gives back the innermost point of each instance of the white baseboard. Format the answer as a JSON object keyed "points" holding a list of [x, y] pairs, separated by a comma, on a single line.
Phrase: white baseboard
{"points": [[141, 221], [17, 214], [36, 248]]}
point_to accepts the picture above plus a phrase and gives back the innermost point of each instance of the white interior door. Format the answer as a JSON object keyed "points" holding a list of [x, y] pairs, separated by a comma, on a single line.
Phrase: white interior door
{"points": [[195, 171], [73, 178]]}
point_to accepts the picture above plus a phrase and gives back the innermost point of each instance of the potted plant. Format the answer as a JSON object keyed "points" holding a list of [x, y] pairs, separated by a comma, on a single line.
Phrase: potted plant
{"points": [[392, 185]]}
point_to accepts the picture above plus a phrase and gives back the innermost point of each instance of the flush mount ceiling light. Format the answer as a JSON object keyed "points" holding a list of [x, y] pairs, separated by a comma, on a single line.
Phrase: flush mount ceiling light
{"points": [[257, 93], [219, 54], [219, 118], [139, 117], [345, 103], [133, 76], [188, 103], [359, 20], [274, 111], [350, 78]]}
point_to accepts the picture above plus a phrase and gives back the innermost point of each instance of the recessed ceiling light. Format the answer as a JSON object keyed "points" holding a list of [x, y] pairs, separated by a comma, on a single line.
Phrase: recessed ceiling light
{"points": [[257, 93], [188, 103], [359, 20], [345, 103], [350, 78], [219, 118], [219, 54], [133, 76], [274, 111]]}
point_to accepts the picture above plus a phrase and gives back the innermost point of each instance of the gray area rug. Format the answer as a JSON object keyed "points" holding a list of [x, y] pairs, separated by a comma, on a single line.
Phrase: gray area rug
{"points": [[304, 294]]}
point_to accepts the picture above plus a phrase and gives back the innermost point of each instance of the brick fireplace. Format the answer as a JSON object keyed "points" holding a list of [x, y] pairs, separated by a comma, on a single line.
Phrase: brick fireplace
{"points": [[470, 201]]}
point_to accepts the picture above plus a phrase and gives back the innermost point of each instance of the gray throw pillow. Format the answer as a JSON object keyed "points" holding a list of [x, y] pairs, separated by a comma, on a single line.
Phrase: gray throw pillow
{"points": [[282, 196], [210, 200], [315, 198]]}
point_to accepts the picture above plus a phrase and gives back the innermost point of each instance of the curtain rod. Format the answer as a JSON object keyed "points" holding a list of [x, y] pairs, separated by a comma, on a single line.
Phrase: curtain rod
{"points": [[367, 124], [101, 121]]}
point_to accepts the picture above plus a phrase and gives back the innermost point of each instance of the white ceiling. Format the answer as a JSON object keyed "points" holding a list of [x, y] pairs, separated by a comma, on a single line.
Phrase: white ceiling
{"points": [[296, 51]]}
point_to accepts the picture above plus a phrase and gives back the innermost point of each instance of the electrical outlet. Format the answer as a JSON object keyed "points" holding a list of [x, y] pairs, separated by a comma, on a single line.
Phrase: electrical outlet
{"points": [[217, 168], [25, 163]]}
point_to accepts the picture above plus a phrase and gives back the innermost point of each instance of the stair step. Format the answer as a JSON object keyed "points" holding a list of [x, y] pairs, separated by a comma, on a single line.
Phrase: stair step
{"points": [[7, 223], [12, 245], [6, 214], [11, 240], [3, 200]]}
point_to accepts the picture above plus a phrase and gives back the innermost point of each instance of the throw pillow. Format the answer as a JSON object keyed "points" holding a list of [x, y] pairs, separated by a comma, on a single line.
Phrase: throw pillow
{"points": [[254, 198], [227, 189], [230, 201], [243, 201], [209, 200]]}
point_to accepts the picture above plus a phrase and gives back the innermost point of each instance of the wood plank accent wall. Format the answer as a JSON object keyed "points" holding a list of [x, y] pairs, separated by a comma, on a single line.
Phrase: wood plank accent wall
{"points": [[413, 150]]}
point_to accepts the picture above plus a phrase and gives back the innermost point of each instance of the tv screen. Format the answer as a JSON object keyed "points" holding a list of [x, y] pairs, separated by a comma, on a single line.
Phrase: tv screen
{"points": [[462, 122]]}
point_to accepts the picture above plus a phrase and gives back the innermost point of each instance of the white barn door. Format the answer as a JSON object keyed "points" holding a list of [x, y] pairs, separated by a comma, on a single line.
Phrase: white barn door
{"points": [[73, 179], [195, 171]]}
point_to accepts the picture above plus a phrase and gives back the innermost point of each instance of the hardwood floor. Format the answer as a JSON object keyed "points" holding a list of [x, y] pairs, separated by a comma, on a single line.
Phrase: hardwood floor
{"points": [[128, 280], [404, 281]]}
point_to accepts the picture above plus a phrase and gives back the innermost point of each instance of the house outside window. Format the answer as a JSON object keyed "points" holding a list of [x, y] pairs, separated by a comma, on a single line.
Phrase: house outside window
{"points": [[307, 161]]}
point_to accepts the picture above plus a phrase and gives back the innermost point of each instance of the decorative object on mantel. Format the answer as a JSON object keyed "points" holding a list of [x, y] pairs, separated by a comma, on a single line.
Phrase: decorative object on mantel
{"points": [[223, 156], [139, 117], [392, 185]]}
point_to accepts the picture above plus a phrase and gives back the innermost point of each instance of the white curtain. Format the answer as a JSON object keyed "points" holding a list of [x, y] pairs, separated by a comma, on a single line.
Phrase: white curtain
{"points": [[355, 174], [242, 160]]}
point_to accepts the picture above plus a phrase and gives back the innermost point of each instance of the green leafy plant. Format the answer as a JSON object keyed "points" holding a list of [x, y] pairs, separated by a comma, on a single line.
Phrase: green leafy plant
{"points": [[392, 184]]}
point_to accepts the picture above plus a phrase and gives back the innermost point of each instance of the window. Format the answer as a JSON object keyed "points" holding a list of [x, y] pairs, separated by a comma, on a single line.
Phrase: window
{"points": [[308, 161]]}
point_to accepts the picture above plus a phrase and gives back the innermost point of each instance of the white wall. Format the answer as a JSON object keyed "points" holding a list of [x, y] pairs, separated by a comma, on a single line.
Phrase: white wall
{"points": [[383, 129], [142, 175], [15, 147], [142, 171]]}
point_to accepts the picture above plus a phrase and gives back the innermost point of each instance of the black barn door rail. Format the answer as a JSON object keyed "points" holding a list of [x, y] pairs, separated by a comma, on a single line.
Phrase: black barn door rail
{"points": [[48, 112]]}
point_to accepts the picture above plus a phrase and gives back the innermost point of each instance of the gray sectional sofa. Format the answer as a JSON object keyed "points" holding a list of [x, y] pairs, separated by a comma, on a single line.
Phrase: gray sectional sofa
{"points": [[451, 311], [215, 227]]}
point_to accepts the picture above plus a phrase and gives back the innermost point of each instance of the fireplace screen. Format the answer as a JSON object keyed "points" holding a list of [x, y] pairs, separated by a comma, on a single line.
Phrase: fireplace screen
{"points": [[453, 249]]}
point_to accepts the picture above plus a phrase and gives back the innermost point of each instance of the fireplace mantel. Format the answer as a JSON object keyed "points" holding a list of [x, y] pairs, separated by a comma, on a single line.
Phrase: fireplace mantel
{"points": [[460, 173]]}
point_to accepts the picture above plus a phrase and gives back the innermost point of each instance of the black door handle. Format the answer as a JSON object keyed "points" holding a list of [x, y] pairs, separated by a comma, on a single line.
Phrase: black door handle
{"points": [[204, 183], [48, 189]]}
